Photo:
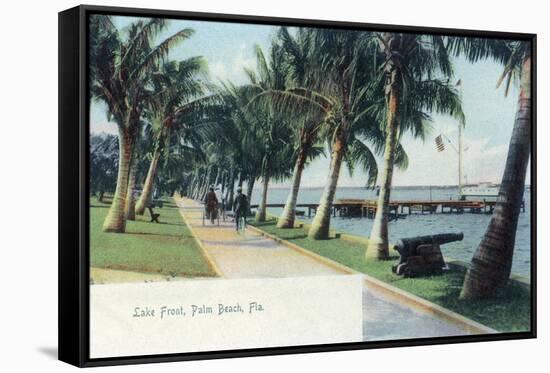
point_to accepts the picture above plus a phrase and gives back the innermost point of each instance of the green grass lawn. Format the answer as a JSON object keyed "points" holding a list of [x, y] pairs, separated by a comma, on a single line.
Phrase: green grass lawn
{"points": [[167, 248], [508, 313]]}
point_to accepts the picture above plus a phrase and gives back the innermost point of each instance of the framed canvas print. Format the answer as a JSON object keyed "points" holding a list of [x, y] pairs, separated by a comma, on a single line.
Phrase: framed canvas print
{"points": [[238, 186]]}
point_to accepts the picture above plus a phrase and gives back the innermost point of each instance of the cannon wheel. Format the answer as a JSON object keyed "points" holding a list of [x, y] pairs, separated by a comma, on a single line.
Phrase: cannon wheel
{"points": [[401, 269]]}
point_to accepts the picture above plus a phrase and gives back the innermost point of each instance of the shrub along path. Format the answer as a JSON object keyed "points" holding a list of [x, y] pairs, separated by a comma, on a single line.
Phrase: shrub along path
{"points": [[251, 255]]}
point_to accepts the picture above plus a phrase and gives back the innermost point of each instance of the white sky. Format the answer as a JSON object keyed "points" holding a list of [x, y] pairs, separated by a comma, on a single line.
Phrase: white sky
{"points": [[228, 48]]}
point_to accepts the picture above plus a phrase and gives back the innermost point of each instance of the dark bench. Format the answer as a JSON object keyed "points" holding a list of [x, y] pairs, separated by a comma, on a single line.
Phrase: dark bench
{"points": [[154, 216]]}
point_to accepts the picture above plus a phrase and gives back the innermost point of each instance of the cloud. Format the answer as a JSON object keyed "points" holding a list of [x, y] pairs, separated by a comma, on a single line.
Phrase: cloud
{"points": [[218, 70], [103, 127], [233, 69], [484, 162], [99, 122]]}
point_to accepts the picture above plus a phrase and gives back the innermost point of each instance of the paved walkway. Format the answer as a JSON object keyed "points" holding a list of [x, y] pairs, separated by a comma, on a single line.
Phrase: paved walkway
{"points": [[252, 255]]}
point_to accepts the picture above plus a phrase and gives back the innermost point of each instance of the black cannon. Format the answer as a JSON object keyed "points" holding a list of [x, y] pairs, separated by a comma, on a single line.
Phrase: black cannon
{"points": [[422, 255]]}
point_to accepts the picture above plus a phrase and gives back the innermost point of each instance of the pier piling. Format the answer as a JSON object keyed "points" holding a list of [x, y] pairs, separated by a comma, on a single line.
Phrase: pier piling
{"points": [[367, 208]]}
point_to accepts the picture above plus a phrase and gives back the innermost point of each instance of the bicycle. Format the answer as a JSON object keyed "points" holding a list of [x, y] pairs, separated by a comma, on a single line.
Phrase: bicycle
{"points": [[212, 215], [240, 221], [221, 208]]}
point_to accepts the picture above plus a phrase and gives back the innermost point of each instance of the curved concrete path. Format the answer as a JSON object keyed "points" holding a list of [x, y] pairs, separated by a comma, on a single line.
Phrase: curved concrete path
{"points": [[251, 255], [248, 254]]}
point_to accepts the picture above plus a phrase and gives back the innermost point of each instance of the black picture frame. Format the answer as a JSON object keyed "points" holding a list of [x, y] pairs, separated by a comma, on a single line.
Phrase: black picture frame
{"points": [[73, 187]]}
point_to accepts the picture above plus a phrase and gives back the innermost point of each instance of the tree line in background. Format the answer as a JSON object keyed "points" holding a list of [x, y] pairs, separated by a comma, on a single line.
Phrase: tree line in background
{"points": [[350, 95]]}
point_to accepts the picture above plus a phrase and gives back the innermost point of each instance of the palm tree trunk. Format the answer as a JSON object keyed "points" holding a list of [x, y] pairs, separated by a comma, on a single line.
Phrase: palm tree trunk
{"points": [[205, 186], [197, 187], [249, 189], [261, 213], [200, 185], [231, 190], [378, 241], [217, 178], [203, 181], [286, 220], [241, 180], [148, 184], [193, 189], [492, 262], [224, 175], [321, 222], [115, 220], [129, 208]]}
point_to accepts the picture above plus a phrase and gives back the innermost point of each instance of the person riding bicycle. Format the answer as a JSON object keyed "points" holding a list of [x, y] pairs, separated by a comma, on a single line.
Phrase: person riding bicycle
{"points": [[211, 202], [240, 207], [221, 199]]}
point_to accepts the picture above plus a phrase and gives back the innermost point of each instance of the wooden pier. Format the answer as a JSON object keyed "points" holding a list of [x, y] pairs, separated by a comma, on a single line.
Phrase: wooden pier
{"points": [[399, 209]]}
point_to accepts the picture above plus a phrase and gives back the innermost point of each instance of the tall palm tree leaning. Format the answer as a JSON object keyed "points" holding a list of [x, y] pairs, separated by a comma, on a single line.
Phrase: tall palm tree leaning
{"points": [[120, 67], [177, 89], [492, 261], [308, 124], [343, 75], [274, 134], [130, 203], [306, 148], [415, 72]]}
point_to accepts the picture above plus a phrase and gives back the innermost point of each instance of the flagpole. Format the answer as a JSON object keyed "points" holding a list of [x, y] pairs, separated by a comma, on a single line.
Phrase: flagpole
{"points": [[459, 83]]}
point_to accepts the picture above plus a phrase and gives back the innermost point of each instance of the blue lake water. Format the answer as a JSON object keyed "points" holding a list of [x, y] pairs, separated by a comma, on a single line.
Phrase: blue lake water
{"points": [[473, 225]]}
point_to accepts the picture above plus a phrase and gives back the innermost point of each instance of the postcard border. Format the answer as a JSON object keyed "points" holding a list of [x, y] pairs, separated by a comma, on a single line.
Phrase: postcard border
{"points": [[74, 205]]}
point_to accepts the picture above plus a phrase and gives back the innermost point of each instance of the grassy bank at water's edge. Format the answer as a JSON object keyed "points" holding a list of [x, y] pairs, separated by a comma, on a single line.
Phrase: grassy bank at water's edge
{"points": [[167, 248], [509, 313]]}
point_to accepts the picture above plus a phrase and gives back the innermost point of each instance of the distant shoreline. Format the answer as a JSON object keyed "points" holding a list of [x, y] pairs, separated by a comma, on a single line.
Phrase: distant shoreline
{"points": [[398, 187]]}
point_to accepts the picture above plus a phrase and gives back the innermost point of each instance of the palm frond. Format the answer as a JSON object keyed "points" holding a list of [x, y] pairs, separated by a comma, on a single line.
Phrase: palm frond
{"points": [[359, 154], [143, 37], [150, 62], [401, 158]]}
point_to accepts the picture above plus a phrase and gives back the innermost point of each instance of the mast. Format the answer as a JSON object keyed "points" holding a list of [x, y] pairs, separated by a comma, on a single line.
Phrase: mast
{"points": [[460, 159], [460, 144]]}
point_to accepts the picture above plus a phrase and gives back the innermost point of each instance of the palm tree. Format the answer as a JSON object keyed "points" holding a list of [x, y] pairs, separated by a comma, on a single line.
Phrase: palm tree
{"points": [[411, 87], [307, 148], [103, 164], [120, 68], [174, 173], [272, 130], [234, 148], [177, 88], [340, 89], [307, 127], [492, 261]]}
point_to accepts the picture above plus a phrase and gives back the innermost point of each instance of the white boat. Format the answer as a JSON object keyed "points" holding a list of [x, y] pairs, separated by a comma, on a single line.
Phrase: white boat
{"points": [[482, 191], [487, 191]]}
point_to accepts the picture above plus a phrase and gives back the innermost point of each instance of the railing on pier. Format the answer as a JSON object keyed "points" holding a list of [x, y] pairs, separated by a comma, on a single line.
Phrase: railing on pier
{"points": [[399, 209]]}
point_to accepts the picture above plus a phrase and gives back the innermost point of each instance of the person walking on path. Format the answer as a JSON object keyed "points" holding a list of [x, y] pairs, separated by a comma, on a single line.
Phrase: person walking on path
{"points": [[211, 204], [221, 201], [240, 207]]}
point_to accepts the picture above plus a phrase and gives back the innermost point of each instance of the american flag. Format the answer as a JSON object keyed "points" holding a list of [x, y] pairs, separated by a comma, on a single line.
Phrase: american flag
{"points": [[439, 143]]}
